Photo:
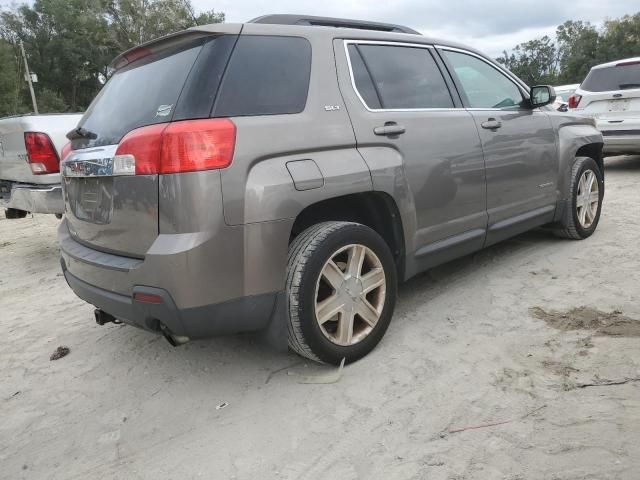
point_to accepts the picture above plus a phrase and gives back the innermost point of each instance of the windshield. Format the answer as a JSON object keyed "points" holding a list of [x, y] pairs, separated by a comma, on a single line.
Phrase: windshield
{"points": [[618, 77]]}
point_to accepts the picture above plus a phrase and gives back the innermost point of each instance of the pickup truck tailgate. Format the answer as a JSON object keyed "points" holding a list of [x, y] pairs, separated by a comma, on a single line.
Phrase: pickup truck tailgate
{"points": [[14, 165]]}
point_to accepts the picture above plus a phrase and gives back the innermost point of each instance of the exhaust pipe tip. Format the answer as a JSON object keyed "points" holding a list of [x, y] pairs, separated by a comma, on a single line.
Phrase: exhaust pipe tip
{"points": [[174, 340], [102, 317]]}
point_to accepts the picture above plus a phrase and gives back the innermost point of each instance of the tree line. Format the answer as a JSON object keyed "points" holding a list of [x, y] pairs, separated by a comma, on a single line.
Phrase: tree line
{"points": [[577, 47], [70, 43]]}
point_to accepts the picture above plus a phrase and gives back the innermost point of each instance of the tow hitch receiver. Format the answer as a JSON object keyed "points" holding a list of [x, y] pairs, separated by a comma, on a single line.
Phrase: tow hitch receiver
{"points": [[103, 317]]}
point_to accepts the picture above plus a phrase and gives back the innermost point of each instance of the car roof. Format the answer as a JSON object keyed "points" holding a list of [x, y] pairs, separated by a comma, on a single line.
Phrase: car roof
{"points": [[327, 33], [616, 62], [331, 32]]}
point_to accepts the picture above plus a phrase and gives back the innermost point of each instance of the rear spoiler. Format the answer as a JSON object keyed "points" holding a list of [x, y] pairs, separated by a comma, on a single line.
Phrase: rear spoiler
{"points": [[170, 40]]}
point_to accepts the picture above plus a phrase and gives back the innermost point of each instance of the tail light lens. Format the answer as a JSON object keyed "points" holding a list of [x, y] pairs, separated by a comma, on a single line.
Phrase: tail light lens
{"points": [[41, 154], [187, 146], [574, 101], [66, 150]]}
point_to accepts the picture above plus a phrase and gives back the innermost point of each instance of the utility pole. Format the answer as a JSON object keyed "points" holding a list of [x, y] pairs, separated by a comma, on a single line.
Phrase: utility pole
{"points": [[28, 73]]}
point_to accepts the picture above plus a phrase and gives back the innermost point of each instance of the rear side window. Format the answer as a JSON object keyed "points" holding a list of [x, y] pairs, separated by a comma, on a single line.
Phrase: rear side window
{"points": [[391, 77], [620, 77], [267, 75], [143, 93]]}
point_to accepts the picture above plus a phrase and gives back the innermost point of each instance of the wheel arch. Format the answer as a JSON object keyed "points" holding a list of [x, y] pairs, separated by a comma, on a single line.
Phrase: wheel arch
{"points": [[377, 210], [592, 150], [576, 140]]}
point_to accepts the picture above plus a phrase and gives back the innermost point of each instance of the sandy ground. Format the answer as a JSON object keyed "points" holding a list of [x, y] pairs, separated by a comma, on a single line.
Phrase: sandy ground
{"points": [[534, 341]]}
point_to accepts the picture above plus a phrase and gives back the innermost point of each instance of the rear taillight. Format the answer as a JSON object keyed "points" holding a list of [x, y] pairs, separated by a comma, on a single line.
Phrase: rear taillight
{"points": [[198, 145], [66, 150], [574, 101], [187, 146], [41, 154], [139, 151]]}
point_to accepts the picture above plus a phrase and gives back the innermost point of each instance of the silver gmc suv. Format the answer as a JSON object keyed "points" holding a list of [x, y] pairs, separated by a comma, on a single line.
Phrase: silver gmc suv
{"points": [[284, 175]]}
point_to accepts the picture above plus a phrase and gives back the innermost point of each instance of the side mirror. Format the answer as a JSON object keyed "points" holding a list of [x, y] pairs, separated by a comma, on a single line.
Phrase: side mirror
{"points": [[542, 95]]}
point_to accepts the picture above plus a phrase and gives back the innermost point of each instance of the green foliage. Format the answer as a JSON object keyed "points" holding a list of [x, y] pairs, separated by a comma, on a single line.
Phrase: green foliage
{"points": [[533, 61], [578, 47], [70, 43], [10, 95]]}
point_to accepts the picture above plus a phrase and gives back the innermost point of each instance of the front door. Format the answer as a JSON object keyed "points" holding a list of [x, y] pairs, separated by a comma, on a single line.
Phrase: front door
{"points": [[519, 145], [404, 110]]}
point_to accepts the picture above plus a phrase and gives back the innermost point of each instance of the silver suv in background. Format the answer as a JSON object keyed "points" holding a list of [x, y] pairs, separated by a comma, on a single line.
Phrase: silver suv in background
{"points": [[30, 151], [611, 94], [283, 175]]}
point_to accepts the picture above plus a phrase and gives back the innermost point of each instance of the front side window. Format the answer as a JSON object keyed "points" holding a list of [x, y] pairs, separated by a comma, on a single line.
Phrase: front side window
{"points": [[483, 85], [391, 77]]}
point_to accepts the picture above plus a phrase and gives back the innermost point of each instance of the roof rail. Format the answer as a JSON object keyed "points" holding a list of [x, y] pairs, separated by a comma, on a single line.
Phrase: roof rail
{"points": [[331, 22]]}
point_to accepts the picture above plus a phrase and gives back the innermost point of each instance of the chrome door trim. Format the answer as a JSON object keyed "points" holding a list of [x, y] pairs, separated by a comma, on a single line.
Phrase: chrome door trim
{"points": [[394, 44]]}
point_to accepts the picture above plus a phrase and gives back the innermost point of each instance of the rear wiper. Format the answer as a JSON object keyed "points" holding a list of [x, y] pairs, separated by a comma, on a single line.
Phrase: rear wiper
{"points": [[628, 86], [80, 132]]}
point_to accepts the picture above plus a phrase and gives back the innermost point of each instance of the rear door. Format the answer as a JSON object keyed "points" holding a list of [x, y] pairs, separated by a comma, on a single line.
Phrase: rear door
{"points": [[115, 210], [519, 145], [400, 103]]}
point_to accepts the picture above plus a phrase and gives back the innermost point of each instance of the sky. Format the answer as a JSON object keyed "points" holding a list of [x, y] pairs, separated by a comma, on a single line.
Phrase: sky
{"points": [[489, 25]]}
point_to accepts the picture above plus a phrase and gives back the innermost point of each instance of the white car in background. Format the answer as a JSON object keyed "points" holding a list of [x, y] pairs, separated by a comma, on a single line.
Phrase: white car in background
{"points": [[563, 92], [611, 94]]}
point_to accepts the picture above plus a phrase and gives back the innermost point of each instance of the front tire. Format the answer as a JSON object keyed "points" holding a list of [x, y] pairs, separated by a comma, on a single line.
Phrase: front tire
{"points": [[586, 191], [341, 289]]}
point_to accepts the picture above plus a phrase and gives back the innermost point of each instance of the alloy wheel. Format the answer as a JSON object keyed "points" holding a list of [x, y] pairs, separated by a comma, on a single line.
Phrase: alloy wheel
{"points": [[350, 295], [588, 198]]}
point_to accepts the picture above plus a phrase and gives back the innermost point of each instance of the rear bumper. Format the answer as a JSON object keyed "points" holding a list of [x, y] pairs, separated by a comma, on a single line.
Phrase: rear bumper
{"points": [[621, 143], [620, 136], [245, 314], [33, 198], [207, 289]]}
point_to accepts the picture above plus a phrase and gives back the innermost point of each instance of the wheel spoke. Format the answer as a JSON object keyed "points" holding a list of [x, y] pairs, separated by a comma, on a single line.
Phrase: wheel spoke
{"points": [[372, 280], [587, 181], [581, 186], [588, 214], [594, 197], [328, 308], [345, 328], [333, 275], [582, 212], [367, 313], [356, 259]]}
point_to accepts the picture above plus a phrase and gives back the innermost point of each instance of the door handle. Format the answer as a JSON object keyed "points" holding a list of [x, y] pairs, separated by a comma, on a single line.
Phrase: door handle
{"points": [[491, 124], [389, 128]]}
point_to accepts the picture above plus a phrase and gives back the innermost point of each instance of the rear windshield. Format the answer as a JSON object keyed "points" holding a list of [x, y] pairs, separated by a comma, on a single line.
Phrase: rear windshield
{"points": [[148, 91], [623, 77], [264, 75]]}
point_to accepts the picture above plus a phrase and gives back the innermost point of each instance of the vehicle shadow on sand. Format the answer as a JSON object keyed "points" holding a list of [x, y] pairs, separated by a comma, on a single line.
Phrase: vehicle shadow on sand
{"points": [[251, 352]]}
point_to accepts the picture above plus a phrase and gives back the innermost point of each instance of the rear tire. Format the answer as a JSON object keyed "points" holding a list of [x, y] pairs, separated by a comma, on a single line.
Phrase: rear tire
{"points": [[343, 274], [13, 213], [582, 214]]}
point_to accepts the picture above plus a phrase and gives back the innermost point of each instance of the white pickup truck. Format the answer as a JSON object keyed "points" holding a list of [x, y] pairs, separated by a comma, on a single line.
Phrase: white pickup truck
{"points": [[30, 152]]}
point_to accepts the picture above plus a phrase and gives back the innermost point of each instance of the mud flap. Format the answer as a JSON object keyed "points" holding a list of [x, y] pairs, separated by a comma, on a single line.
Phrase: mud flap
{"points": [[276, 334]]}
